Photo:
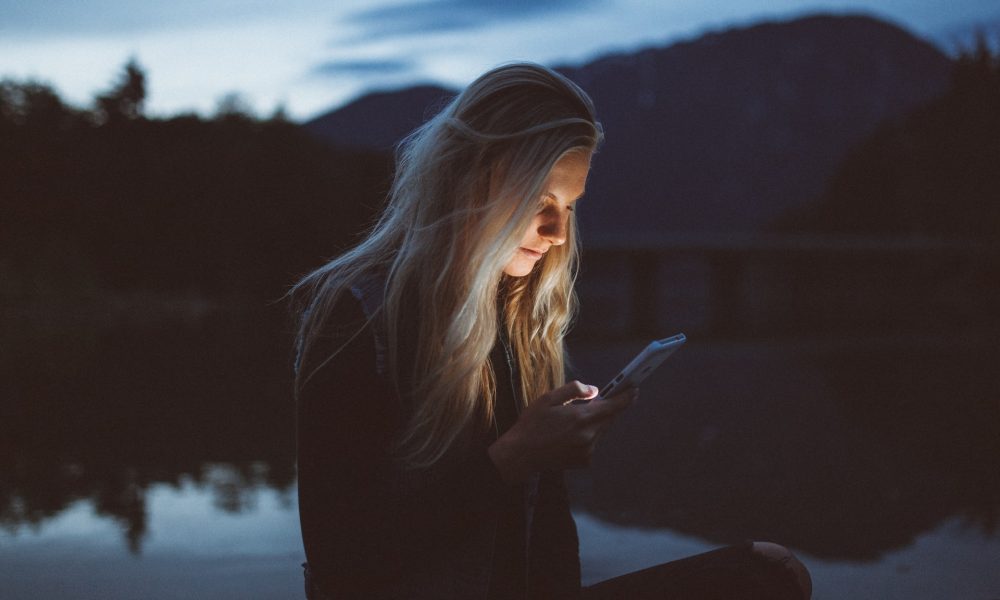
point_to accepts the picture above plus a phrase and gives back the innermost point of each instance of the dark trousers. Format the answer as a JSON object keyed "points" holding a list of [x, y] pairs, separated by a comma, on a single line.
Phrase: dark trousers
{"points": [[730, 573]]}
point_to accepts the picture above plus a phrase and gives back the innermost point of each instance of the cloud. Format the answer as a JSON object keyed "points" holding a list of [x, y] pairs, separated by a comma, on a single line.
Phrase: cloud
{"points": [[108, 17], [62, 17], [27, 18], [364, 67], [425, 16]]}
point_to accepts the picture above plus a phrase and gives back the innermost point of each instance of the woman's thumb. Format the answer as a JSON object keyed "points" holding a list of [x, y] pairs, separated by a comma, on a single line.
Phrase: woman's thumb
{"points": [[573, 390]]}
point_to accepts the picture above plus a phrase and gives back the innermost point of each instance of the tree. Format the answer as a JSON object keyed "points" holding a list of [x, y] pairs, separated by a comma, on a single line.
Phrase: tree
{"points": [[32, 104], [234, 106], [124, 101]]}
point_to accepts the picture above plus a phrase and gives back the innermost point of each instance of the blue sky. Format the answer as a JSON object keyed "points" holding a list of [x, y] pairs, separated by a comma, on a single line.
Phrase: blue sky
{"points": [[310, 55]]}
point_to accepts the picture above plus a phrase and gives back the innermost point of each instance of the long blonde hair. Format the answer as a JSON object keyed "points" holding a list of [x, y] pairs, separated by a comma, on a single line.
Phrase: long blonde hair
{"points": [[467, 185]]}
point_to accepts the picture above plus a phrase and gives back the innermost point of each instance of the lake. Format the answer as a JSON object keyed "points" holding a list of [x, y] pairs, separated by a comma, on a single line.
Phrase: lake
{"points": [[155, 459]]}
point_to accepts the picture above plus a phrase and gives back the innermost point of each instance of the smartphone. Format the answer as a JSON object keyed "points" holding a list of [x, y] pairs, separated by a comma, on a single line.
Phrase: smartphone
{"points": [[643, 364]]}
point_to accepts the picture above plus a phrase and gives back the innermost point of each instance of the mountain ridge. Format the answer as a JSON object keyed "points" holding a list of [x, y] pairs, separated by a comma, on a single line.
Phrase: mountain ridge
{"points": [[721, 133]]}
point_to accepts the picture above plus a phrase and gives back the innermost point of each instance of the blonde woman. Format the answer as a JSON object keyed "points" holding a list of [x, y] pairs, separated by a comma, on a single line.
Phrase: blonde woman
{"points": [[434, 421]]}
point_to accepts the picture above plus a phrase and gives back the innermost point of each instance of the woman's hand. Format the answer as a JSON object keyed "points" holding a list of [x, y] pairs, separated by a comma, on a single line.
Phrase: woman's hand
{"points": [[553, 432]]}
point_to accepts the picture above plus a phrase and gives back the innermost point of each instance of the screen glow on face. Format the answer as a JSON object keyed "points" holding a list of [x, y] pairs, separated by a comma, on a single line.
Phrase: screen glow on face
{"points": [[550, 226]]}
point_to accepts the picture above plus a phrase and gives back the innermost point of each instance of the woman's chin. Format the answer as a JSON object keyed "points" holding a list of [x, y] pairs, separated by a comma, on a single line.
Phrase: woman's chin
{"points": [[519, 268]]}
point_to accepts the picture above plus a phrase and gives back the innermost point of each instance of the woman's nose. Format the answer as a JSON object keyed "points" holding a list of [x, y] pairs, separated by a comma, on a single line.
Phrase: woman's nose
{"points": [[554, 226]]}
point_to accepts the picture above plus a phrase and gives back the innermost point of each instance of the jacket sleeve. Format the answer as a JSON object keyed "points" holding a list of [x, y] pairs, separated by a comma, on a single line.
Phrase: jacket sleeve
{"points": [[554, 556], [368, 530]]}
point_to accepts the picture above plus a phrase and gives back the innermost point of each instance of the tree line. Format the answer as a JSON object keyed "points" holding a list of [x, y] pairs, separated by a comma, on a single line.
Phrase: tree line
{"points": [[109, 198], [934, 174]]}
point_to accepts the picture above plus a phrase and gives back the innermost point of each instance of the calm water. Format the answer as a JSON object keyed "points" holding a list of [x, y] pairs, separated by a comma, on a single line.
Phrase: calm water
{"points": [[155, 461], [196, 550]]}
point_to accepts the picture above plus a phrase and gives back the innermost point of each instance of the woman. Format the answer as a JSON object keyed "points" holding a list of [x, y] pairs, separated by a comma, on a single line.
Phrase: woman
{"points": [[434, 421]]}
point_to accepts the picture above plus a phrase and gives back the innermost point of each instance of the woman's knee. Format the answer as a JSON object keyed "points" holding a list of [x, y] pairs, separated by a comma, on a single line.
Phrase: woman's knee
{"points": [[779, 554]]}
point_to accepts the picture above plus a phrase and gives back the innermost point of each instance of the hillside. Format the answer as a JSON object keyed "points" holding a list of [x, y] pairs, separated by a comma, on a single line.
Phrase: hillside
{"points": [[931, 175], [723, 133], [378, 120]]}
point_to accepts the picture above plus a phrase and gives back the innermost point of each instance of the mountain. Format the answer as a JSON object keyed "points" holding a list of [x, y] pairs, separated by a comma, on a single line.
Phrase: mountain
{"points": [[378, 120], [729, 131], [723, 133], [931, 175]]}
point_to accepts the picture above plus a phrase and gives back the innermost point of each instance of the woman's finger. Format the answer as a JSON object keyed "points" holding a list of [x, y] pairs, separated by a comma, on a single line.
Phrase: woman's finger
{"points": [[565, 394]]}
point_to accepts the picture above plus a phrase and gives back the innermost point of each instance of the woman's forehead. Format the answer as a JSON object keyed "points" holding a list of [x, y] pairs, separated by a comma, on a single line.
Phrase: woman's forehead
{"points": [[568, 177]]}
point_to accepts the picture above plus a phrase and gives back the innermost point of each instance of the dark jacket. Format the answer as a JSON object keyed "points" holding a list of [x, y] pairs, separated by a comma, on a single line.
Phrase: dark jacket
{"points": [[374, 530]]}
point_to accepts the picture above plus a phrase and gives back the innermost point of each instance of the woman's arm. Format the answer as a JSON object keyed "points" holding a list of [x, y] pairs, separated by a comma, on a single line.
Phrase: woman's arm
{"points": [[367, 525], [341, 426], [553, 556]]}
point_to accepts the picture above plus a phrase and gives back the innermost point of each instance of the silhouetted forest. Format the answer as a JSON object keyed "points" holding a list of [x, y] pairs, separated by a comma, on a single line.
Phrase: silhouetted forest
{"points": [[110, 199], [934, 174]]}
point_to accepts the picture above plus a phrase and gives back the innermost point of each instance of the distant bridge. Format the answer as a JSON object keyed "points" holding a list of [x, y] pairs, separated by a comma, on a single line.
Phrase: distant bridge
{"points": [[728, 257]]}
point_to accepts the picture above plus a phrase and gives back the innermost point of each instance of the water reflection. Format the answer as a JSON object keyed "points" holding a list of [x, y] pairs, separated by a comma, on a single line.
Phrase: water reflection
{"points": [[123, 405], [196, 550], [192, 549], [946, 562], [843, 449], [846, 450]]}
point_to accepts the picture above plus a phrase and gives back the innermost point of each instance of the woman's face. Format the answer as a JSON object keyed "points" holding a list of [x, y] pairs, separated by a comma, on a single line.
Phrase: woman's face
{"points": [[562, 188]]}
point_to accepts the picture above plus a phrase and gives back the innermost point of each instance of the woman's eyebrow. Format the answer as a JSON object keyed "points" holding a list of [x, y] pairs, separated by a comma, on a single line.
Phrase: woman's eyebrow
{"points": [[577, 199]]}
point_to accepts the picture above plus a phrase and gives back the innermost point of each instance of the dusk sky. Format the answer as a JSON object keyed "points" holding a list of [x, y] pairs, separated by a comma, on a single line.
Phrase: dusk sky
{"points": [[311, 55]]}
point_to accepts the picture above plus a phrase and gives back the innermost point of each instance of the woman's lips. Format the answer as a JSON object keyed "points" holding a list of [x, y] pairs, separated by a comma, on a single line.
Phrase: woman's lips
{"points": [[536, 254]]}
